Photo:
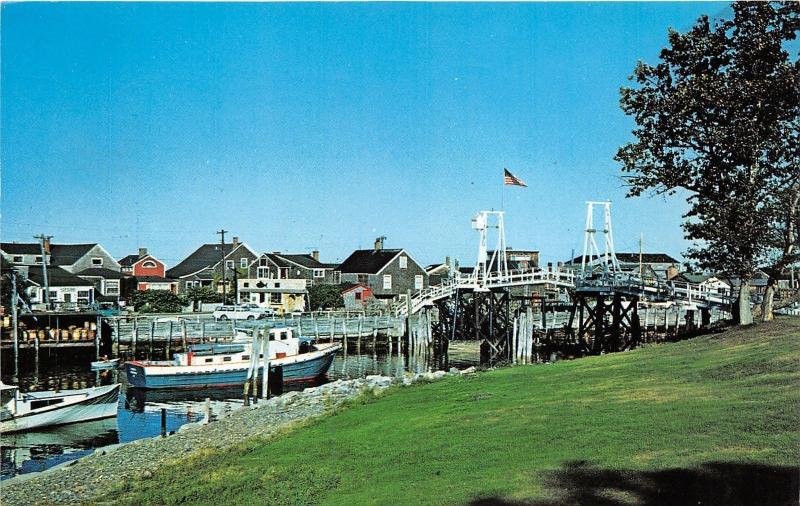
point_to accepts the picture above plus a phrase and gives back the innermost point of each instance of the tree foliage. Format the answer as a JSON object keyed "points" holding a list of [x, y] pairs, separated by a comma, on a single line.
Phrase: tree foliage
{"points": [[719, 117], [203, 294], [157, 301], [325, 297]]}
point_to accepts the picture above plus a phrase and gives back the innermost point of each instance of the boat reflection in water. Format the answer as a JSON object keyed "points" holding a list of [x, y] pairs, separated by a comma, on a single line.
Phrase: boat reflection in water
{"points": [[32, 451]]}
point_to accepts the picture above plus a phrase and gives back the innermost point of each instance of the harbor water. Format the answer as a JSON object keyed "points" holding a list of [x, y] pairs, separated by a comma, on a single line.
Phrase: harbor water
{"points": [[139, 414]]}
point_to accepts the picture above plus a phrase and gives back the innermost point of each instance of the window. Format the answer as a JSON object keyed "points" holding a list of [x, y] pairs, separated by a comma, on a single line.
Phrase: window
{"points": [[112, 290], [97, 262], [319, 273], [403, 262], [418, 282], [53, 294], [37, 260], [243, 263], [229, 264], [337, 277], [358, 295], [149, 264], [277, 298], [284, 273], [226, 359], [18, 259], [387, 282], [284, 336], [245, 357], [246, 284], [263, 272], [262, 262], [209, 360], [83, 293]]}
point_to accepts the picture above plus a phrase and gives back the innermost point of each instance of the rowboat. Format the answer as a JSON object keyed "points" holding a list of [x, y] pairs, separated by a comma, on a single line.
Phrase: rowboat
{"points": [[25, 411], [226, 365], [105, 364]]}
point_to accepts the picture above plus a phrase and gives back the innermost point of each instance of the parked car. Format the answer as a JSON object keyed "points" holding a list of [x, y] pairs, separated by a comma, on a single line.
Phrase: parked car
{"points": [[268, 311], [239, 312]]}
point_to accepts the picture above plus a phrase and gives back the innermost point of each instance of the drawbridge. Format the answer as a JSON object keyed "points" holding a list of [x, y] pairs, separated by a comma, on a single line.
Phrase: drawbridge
{"points": [[484, 302]]}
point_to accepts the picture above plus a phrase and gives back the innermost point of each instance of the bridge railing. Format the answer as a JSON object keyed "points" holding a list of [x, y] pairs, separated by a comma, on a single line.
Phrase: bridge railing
{"points": [[657, 288]]}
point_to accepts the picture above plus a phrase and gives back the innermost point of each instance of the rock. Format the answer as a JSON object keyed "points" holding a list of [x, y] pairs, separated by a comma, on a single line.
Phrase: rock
{"points": [[469, 370], [439, 375], [454, 370], [147, 474]]}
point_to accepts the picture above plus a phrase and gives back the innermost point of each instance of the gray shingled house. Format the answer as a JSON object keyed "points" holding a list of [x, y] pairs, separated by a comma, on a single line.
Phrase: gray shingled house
{"points": [[293, 266], [389, 273], [204, 266]]}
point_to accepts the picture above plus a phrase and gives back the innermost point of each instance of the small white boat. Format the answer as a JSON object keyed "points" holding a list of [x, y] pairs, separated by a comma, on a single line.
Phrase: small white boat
{"points": [[105, 364], [25, 411]]}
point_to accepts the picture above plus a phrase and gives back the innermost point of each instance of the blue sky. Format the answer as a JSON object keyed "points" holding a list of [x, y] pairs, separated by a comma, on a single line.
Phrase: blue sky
{"points": [[300, 126]]}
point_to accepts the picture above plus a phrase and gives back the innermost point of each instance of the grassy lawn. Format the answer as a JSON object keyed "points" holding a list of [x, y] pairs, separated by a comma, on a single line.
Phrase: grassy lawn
{"points": [[712, 419]]}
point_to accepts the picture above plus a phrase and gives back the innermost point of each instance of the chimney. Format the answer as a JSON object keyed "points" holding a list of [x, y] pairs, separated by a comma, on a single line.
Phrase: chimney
{"points": [[447, 261], [672, 271], [235, 241], [315, 255], [47, 245], [379, 243], [142, 252]]}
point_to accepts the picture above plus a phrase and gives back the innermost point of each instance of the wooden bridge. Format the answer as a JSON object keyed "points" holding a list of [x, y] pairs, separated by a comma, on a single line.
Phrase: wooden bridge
{"points": [[605, 300]]}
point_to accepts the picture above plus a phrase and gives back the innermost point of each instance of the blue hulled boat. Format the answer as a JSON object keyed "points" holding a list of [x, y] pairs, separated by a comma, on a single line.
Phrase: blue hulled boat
{"points": [[218, 365]]}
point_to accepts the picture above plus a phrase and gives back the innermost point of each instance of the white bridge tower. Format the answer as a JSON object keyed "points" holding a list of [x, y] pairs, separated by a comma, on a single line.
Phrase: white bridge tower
{"points": [[590, 249], [495, 267]]}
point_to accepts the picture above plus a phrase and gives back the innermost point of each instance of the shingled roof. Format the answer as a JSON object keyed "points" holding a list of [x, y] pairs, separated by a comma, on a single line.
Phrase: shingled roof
{"points": [[204, 257], [68, 254], [129, 260], [101, 272], [647, 258], [302, 259], [21, 248], [368, 261], [56, 276]]}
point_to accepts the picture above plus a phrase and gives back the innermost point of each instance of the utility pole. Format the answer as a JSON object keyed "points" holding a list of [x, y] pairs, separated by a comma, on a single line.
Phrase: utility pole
{"points": [[14, 320], [235, 285], [42, 238], [641, 240], [222, 233]]}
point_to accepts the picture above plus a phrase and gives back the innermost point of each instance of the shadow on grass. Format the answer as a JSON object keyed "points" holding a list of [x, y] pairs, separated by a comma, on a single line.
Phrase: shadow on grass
{"points": [[714, 483]]}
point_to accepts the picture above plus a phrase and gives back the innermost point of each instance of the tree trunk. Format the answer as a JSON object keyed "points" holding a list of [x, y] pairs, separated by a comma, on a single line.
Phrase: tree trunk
{"points": [[766, 304], [744, 315]]}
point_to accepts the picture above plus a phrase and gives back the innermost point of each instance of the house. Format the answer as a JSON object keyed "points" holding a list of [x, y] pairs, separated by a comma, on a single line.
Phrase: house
{"points": [[205, 265], [516, 260], [282, 295], [438, 273], [389, 273], [67, 291], [709, 282], [107, 282], [661, 265], [356, 296], [150, 272], [73, 258], [293, 266]]}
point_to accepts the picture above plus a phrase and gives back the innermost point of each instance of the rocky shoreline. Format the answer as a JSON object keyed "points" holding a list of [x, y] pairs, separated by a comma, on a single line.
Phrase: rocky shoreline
{"points": [[88, 479]]}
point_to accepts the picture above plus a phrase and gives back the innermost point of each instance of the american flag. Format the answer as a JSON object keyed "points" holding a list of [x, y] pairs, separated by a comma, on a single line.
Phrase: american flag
{"points": [[509, 178]]}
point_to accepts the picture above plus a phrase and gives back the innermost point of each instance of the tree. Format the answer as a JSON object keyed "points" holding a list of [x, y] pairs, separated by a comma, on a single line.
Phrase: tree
{"points": [[157, 301], [203, 294], [325, 297], [718, 118]]}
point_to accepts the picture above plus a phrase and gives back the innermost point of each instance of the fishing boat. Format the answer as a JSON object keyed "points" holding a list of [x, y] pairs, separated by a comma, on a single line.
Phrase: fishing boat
{"points": [[31, 410], [105, 364], [291, 359]]}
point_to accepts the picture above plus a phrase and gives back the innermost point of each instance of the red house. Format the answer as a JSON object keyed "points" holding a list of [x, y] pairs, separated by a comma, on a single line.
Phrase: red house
{"points": [[148, 271], [356, 296]]}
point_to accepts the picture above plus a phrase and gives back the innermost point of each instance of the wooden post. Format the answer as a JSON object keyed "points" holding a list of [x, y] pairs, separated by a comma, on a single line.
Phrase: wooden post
{"points": [[115, 346], [98, 335], [152, 336], [316, 327], [333, 326], [169, 340], [163, 422], [207, 411], [135, 336], [15, 321], [183, 335], [203, 331], [265, 374]]}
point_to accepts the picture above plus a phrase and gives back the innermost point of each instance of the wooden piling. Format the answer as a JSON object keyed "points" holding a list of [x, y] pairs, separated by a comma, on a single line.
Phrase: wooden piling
{"points": [[169, 341], [152, 337], [184, 336], [98, 335], [135, 336]]}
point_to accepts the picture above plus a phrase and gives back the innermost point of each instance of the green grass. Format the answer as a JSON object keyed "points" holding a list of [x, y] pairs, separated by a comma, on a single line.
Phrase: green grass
{"points": [[703, 416]]}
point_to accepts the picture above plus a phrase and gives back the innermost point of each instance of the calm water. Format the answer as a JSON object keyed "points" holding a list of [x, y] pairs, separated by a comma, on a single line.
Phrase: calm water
{"points": [[140, 411]]}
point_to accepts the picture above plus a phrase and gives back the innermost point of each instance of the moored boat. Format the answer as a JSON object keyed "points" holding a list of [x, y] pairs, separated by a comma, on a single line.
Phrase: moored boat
{"points": [[105, 364], [221, 365], [31, 410]]}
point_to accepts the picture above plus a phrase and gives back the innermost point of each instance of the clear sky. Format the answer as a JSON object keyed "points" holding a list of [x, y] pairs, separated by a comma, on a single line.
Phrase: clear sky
{"points": [[301, 126]]}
